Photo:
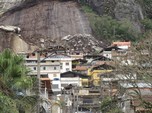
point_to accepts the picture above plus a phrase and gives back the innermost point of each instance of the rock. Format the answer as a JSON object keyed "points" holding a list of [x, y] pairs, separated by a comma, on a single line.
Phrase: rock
{"points": [[47, 19], [120, 10]]}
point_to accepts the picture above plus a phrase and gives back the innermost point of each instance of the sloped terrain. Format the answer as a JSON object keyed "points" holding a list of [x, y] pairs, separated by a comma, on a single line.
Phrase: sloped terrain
{"points": [[47, 20]]}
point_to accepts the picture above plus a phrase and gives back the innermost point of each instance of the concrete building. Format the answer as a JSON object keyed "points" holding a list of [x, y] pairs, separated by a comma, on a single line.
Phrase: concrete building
{"points": [[51, 67], [122, 45], [95, 72], [75, 79]]}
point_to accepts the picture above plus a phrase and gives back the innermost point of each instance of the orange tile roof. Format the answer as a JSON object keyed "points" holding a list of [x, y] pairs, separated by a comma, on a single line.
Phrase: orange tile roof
{"points": [[44, 79], [122, 43], [81, 68]]}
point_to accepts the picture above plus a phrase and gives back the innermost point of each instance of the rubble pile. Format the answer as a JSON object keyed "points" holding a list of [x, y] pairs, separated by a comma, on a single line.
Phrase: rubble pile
{"points": [[81, 43]]}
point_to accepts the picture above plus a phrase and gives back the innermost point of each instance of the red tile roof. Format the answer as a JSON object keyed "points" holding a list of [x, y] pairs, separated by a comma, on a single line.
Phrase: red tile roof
{"points": [[122, 43]]}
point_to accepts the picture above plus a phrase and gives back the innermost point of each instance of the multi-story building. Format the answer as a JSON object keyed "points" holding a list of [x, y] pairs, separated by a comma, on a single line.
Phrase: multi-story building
{"points": [[96, 71], [75, 79], [51, 66]]}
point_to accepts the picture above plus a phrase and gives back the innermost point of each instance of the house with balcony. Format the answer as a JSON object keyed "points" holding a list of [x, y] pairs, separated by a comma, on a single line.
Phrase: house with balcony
{"points": [[75, 79], [95, 72], [86, 99], [101, 60], [119, 52], [108, 51], [51, 66]]}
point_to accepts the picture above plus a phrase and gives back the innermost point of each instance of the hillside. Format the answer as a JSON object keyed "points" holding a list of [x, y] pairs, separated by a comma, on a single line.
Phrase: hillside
{"points": [[51, 20], [119, 19], [47, 20]]}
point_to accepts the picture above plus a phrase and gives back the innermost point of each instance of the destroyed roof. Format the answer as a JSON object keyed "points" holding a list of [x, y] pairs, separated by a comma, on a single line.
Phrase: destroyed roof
{"points": [[102, 58], [110, 48], [103, 67], [71, 74], [81, 43], [47, 20]]}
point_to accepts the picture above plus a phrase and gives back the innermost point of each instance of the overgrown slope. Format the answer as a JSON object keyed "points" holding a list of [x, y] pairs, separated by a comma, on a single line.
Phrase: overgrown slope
{"points": [[119, 19]]}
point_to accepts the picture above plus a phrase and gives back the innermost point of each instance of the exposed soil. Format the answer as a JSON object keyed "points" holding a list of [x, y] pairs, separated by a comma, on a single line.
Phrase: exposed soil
{"points": [[47, 20]]}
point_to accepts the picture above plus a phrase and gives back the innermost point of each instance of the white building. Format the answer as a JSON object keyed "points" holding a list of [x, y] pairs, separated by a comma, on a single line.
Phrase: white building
{"points": [[122, 45], [73, 78], [50, 67]]}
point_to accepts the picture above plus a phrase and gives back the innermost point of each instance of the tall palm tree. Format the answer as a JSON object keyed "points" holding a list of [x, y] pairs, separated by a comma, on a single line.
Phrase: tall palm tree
{"points": [[13, 83]]}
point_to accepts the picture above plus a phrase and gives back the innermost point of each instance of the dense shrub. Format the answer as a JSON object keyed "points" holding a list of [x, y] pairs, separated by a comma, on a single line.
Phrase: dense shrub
{"points": [[105, 27], [147, 23]]}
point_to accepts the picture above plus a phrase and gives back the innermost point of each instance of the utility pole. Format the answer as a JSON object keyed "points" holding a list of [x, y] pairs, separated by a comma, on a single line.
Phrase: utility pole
{"points": [[77, 99], [38, 77], [52, 49]]}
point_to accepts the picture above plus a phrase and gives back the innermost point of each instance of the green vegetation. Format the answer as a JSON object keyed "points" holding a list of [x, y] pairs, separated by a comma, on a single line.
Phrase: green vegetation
{"points": [[107, 28], [109, 105], [13, 84], [147, 23], [147, 7]]}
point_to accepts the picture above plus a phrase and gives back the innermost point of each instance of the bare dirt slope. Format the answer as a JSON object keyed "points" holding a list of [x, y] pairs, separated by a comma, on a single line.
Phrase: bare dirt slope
{"points": [[47, 19]]}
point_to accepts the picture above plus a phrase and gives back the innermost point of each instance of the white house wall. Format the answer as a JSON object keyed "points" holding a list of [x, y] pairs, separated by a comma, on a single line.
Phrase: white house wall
{"points": [[74, 81], [52, 66]]}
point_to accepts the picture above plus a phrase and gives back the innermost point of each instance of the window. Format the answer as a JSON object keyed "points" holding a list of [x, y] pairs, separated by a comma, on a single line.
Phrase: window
{"points": [[55, 86], [34, 68], [67, 64], [67, 69], [33, 54], [61, 65], [85, 83], [44, 76], [77, 53], [44, 68], [54, 75], [43, 61], [54, 68], [31, 61]]}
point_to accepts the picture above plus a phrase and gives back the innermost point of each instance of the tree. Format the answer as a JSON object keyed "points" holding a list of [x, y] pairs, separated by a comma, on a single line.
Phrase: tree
{"points": [[147, 24], [147, 7], [13, 83], [139, 70], [107, 28], [133, 71], [110, 105]]}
